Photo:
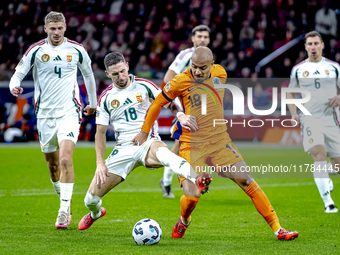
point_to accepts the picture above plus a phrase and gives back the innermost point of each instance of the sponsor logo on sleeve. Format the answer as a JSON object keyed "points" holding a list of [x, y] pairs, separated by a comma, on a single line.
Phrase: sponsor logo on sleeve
{"points": [[21, 62], [167, 86]]}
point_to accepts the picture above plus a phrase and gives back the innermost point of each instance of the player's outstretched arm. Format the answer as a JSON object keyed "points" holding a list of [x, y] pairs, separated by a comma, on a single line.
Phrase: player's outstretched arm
{"points": [[100, 145]]}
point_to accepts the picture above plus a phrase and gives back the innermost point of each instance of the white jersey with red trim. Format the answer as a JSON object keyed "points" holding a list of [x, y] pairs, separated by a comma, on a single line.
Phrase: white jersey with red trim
{"points": [[182, 61], [125, 109], [321, 79], [56, 90]]}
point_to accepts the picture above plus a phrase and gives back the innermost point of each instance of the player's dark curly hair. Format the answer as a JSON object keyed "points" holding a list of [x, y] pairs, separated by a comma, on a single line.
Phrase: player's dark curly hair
{"points": [[113, 58]]}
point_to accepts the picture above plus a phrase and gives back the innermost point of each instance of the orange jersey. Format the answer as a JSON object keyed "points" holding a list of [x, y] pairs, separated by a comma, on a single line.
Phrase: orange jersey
{"points": [[191, 96]]}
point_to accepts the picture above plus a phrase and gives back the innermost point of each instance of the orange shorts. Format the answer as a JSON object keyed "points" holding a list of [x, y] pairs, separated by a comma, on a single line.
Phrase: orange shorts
{"points": [[222, 153]]}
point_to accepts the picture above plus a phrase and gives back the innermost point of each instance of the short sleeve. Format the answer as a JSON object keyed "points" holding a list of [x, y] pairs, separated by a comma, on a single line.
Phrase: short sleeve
{"points": [[173, 88], [102, 112]]}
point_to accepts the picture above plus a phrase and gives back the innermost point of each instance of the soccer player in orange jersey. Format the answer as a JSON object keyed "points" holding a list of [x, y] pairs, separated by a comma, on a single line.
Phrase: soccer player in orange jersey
{"points": [[200, 36], [202, 143]]}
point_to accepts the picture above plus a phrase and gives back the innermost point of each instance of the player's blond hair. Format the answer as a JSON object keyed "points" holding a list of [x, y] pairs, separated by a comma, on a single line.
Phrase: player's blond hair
{"points": [[54, 17]]}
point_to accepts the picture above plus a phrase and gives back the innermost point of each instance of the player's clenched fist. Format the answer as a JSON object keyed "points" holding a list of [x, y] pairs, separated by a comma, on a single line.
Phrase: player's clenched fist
{"points": [[16, 91]]}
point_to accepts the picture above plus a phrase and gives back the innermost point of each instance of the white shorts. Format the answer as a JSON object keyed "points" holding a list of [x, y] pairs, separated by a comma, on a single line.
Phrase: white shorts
{"points": [[123, 160], [314, 134], [54, 130]]}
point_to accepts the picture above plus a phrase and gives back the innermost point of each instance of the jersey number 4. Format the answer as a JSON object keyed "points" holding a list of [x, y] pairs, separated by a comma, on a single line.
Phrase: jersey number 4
{"points": [[57, 71]]}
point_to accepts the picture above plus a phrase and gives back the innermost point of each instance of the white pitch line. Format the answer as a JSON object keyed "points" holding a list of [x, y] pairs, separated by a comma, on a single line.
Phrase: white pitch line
{"points": [[45, 192]]}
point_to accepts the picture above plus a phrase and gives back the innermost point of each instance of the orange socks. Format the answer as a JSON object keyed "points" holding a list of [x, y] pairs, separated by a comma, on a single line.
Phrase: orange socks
{"points": [[263, 205], [188, 204]]}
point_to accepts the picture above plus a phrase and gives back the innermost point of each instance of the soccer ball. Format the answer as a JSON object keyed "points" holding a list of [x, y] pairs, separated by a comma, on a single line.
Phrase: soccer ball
{"points": [[146, 232]]}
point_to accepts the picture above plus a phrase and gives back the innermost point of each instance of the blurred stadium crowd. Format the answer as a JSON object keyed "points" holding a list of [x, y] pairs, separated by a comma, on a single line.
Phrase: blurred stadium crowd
{"points": [[150, 34]]}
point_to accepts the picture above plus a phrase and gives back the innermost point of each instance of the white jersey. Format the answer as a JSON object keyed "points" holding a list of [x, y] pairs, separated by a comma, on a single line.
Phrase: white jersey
{"points": [[321, 79], [126, 109], [56, 90], [182, 61]]}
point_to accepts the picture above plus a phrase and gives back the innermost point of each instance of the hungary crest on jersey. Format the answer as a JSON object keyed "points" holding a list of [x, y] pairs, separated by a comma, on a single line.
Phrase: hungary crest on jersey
{"points": [[69, 57], [139, 97]]}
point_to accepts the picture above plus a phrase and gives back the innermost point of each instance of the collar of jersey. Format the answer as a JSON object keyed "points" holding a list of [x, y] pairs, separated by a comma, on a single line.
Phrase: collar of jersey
{"points": [[54, 46], [322, 59]]}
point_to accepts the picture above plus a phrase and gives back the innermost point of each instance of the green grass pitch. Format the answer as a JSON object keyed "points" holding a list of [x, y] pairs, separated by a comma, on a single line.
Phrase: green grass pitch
{"points": [[224, 221]]}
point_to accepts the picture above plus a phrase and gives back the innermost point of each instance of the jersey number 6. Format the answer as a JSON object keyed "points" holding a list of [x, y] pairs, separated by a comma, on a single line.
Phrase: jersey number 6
{"points": [[317, 83]]}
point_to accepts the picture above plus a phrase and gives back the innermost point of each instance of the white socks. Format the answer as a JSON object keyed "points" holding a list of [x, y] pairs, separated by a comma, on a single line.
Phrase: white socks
{"points": [[167, 176], [93, 203], [56, 186], [321, 179], [177, 164], [66, 190], [277, 232]]}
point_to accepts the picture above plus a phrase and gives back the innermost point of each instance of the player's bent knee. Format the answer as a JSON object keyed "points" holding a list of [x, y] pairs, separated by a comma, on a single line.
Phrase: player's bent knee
{"points": [[91, 199], [318, 153]]}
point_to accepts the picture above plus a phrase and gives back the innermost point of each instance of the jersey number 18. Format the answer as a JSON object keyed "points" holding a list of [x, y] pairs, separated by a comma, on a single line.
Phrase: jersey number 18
{"points": [[132, 115]]}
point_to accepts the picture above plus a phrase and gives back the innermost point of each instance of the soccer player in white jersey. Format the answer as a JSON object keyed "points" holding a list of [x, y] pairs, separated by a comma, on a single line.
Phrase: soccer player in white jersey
{"points": [[321, 133], [124, 104], [54, 62], [200, 36]]}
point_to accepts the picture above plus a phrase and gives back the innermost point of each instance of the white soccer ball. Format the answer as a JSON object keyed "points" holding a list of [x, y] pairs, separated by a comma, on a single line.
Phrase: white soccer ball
{"points": [[146, 232]]}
